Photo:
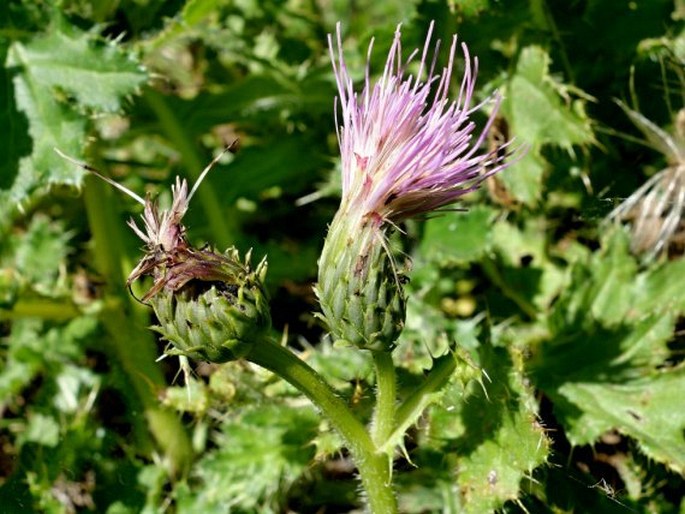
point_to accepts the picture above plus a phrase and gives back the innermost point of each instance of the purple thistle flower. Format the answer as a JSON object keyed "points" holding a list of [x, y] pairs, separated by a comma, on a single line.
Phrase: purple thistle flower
{"points": [[406, 148]]}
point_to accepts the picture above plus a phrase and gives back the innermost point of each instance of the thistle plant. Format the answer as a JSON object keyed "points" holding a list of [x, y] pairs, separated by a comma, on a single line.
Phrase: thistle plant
{"points": [[406, 149], [582, 342]]}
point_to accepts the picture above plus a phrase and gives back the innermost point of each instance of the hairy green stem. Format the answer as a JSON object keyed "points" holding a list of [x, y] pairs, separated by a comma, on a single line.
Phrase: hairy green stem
{"points": [[386, 394], [133, 346], [372, 464], [222, 226]]}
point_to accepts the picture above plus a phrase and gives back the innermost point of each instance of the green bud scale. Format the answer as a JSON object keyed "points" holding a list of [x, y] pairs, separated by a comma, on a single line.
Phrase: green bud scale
{"points": [[359, 289]]}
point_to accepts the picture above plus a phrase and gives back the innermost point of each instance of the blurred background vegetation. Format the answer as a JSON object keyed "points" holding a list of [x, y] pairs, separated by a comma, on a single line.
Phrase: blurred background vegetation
{"points": [[573, 342]]}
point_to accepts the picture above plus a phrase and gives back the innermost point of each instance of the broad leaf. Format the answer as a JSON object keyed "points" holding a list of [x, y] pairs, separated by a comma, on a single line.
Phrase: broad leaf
{"points": [[541, 110], [644, 409], [48, 73], [458, 236]]}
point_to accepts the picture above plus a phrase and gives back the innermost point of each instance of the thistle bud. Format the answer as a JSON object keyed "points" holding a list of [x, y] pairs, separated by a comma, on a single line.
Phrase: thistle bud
{"points": [[359, 287], [210, 306], [217, 320]]}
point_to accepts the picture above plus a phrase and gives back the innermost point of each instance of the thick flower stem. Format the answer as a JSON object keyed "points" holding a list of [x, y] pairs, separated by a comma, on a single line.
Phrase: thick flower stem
{"points": [[386, 393], [372, 464]]}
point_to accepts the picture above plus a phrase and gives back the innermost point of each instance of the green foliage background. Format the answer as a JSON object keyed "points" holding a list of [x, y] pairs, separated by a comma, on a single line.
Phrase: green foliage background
{"points": [[573, 346]]}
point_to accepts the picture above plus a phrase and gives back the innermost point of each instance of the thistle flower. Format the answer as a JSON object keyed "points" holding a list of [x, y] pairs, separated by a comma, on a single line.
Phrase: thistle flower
{"points": [[655, 211], [406, 149], [211, 306]]}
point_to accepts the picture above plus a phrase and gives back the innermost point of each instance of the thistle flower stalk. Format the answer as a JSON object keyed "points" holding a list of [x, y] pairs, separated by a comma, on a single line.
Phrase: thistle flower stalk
{"points": [[406, 149]]}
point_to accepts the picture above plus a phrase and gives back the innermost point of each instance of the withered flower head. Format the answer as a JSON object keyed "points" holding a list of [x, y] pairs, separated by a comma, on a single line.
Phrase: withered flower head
{"points": [[655, 212], [210, 305]]}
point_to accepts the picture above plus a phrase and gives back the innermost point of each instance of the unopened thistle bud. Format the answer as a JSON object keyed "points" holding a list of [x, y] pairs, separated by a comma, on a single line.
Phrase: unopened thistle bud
{"points": [[406, 149], [210, 306]]}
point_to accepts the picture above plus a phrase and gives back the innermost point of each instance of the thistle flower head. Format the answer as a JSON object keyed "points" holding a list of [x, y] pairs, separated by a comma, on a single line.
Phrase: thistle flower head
{"points": [[163, 228], [209, 305], [406, 147], [655, 212]]}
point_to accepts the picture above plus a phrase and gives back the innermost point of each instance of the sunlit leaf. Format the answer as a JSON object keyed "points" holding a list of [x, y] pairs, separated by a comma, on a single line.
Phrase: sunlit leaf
{"points": [[261, 451], [48, 73], [458, 236], [642, 409]]}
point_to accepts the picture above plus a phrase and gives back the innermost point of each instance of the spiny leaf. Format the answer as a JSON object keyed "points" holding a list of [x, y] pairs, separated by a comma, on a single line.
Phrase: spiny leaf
{"points": [[604, 362], [491, 436], [489, 476], [97, 74], [46, 73], [259, 452], [609, 288], [541, 110], [644, 409]]}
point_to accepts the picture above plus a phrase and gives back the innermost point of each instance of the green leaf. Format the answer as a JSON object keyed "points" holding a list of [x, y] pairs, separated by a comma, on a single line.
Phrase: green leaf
{"points": [[32, 347], [191, 397], [96, 73], [47, 72], [40, 429], [458, 236], [523, 179], [646, 410], [343, 366], [491, 435], [541, 109], [36, 257], [524, 270], [608, 286], [260, 452], [605, 363], [194, 11], [506, 418]]}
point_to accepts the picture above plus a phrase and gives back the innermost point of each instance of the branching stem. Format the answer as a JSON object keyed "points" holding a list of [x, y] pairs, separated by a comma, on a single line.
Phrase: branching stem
{"points": [[372, 464]]}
